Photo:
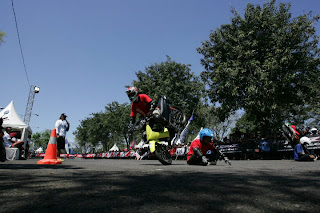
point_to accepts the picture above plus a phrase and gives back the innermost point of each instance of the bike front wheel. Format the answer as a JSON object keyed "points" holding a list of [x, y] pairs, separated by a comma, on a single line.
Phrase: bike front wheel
{"points": [[163, 154]]}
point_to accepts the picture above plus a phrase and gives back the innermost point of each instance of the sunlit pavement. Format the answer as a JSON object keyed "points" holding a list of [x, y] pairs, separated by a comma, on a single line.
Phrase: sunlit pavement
{"points": [[122, 185]]}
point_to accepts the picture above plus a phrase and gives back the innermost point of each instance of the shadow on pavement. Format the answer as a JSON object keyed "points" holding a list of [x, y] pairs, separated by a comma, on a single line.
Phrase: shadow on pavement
{"points": [[35, 166], [46, 189]]}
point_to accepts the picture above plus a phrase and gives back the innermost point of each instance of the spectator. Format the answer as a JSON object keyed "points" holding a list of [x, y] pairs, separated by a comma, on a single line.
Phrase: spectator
{"points": [[9, 139], [314, 132], [26, 151], [62, 127], [145, 152], [306, 132], [188, 146], [180, 151], [300, 154]]}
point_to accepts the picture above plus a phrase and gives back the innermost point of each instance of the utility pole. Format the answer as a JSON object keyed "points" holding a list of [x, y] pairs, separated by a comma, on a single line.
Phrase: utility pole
{"points": [[27, 114]]}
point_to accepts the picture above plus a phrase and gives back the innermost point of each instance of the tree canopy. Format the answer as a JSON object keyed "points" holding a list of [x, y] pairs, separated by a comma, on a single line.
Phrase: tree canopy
{"points": [[264, 63], [105, 127], [41, 139], [174, 80]]}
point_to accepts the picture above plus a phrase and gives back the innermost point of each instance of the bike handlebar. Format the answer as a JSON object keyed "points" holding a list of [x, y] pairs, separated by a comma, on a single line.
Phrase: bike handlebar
{"points": [[139, 124]]}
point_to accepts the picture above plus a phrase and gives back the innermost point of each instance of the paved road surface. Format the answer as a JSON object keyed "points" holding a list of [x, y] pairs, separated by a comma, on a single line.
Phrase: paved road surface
{"points": [[111, 185]]}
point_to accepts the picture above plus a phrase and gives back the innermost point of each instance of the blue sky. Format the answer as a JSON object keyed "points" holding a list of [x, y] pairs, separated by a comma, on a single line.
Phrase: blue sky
{"points": [[82, 53]]}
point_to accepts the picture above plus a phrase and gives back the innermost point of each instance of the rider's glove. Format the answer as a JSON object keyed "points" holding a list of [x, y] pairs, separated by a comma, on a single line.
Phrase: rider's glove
{"points": [[204, 160], [142, 123], [156, 113], [151, 109], [131, 124], [152, 106]]}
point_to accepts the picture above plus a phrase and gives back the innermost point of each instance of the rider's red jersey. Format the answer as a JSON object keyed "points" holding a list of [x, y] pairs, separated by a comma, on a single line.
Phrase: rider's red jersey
{"points": [[142, 106], [203, 148]]}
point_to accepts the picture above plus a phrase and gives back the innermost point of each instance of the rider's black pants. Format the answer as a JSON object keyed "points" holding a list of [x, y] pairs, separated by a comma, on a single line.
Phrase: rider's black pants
{"points": [[305, 157], [196, 158]]}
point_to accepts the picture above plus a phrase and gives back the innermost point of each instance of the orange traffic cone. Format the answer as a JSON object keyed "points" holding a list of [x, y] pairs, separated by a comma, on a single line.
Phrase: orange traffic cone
{"points": [[51, 153]]}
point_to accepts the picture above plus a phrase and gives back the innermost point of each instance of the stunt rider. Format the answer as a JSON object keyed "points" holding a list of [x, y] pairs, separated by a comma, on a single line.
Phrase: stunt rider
{"points": [[140, 104], [198, 152]]}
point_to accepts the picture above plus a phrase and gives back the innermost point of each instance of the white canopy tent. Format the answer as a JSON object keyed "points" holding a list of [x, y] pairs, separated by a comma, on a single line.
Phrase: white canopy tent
{"points": [[140, 145], [40, 150], [114, 148], [14, 121]]}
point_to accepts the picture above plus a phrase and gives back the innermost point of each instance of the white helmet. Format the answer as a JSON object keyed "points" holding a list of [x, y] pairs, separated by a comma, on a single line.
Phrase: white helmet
{"points": [[314, 129], [304, 140], [132, 93]]}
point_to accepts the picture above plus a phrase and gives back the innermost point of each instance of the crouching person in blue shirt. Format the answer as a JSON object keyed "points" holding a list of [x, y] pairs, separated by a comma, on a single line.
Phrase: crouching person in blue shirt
{"points": [[300, 153]]}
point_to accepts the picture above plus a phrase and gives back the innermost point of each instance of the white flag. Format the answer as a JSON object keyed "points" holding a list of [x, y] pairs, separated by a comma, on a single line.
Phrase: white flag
{"points": [[184, 132]]}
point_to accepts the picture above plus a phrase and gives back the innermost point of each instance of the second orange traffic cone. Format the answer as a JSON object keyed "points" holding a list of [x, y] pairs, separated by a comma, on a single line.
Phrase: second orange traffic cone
{"points": [[51, 153]]}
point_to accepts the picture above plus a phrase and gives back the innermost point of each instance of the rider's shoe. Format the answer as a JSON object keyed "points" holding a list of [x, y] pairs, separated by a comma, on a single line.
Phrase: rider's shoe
{"points": [[227, 161], [204, 161], [60, 159]]}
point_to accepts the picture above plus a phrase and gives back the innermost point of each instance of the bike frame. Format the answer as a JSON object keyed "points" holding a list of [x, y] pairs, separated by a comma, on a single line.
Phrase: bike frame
{"points": [[153, 137]]}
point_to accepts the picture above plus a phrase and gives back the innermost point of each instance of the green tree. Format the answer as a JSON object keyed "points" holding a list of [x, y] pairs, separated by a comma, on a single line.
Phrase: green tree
{"points": [[210, 120], [81, 133], [244, 125], [314, 110], [41, 139], [117, 120], [174, 80], [107, 127], [2, 34], [263, 63], [92, 130]]}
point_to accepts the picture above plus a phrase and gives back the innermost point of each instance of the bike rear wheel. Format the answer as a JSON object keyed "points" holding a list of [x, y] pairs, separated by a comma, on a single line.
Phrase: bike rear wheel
{"points": [[288, 132], [177, 118], [163, 154]]}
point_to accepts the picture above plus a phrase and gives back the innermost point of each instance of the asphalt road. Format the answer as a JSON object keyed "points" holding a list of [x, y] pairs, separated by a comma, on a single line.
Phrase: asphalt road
{"points": [[119, 185]]}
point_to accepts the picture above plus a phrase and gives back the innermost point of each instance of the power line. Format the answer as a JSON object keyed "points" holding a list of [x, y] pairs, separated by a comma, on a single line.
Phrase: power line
{"points": [[24, 64]]}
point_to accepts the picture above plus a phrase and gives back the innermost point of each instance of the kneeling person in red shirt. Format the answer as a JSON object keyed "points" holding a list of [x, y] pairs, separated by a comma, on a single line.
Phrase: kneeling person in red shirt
{"points": [[198, 153]]}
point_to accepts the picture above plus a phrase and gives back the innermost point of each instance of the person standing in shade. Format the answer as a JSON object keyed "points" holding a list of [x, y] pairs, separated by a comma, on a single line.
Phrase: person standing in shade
{"points": [[62, 127]]}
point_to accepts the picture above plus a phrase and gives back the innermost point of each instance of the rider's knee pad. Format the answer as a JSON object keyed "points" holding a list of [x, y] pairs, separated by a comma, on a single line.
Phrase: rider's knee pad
{"points": [[197, 151]]}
